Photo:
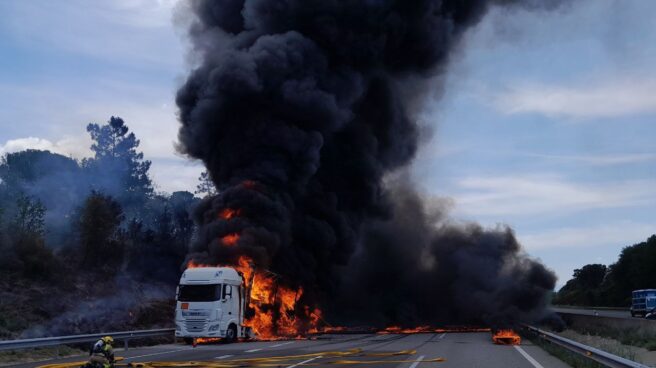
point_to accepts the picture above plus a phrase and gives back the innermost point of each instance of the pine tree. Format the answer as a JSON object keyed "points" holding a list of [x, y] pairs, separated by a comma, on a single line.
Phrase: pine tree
{"points": [[205, 185], [116, 158]]}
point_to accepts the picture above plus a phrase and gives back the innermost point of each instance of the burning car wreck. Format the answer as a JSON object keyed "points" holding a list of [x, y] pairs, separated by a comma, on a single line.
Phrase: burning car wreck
{"points": [[304, 113]]}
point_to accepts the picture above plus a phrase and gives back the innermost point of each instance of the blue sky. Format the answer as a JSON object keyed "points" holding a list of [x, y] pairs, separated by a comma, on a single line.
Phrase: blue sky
{"points": [[546, 121]]}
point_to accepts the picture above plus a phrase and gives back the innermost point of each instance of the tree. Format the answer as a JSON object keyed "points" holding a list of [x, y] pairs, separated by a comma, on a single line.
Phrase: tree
{"points": [[36, 261], [633, 270], [205, 185], [99, 232], [590, 276], [41, 174], [29, 219], [156, 253], [116, 159]]}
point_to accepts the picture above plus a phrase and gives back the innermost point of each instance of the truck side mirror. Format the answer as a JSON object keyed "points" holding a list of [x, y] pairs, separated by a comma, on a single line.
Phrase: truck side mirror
{"points": [[227, 292]]}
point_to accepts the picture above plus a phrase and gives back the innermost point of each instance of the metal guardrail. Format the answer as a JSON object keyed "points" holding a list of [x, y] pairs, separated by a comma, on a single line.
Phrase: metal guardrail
{"points": [[74, 339], [600, 356], [621, 309]]}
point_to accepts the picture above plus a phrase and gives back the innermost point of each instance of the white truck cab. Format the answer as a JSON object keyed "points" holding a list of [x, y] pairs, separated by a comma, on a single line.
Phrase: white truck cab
{"points": [[210, 303]]}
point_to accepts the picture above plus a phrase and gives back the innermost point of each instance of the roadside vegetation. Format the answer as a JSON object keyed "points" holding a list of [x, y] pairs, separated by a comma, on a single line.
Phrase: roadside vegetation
{"points": [[38, 354], [89, 245], [611, 286], [572, 359]]}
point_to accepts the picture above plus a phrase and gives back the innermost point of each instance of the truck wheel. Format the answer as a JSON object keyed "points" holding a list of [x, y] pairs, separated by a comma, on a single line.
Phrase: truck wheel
{"points": [[188, 340], [231, 334]]}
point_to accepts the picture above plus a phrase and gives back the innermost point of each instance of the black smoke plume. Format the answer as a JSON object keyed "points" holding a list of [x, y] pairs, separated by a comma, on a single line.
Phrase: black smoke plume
{"points": [[299, 109]]}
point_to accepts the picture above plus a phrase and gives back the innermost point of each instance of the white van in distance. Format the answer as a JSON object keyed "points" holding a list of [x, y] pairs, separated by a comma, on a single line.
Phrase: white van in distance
{"points": [[210, 304]]}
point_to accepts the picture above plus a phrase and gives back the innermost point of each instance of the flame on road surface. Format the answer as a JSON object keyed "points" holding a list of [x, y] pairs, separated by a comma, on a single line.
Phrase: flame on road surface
{"points": [[506, 337], [206, 340], [429, 329]]}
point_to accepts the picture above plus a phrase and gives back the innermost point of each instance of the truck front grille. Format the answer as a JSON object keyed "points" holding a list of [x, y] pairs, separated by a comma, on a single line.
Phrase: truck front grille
{"points": [[195, 326]]}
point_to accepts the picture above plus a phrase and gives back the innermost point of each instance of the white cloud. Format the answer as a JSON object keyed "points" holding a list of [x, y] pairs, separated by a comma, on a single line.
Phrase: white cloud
{"points": [[527, 195], [76, 147], [616, 233], [174, 175], [609, 99], [602, 160]]}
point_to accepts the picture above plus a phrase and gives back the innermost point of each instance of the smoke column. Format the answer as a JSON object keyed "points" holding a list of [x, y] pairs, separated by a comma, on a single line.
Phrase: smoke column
{"points": [[300, 109]]}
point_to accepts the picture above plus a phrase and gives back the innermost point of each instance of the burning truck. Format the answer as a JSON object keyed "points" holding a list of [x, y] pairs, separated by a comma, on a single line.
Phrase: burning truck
{"points": [[237, 302]]}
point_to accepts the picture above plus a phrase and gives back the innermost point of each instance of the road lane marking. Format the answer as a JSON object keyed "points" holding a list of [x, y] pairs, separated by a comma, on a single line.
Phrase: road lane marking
{"points": [[528, 357], [283, 344], [416, 363], [223, 357], [162, 352], [441, 336], [303, 362], [252, 350]]}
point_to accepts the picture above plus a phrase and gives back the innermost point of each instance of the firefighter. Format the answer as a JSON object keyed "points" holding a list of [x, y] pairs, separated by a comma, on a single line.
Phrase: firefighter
{"points": [[102, 353]]}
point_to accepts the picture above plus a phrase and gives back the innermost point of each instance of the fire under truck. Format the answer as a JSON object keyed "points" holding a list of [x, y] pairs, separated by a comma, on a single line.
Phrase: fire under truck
{"points": [[211, 303]]}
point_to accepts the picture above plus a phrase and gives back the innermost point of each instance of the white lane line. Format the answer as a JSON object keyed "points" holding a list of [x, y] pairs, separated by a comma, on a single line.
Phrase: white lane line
{"points": [[252, 350], [283, 344], [303, 362], [528, 357], [163, 352], [441, 336], [416, 363], [223, 357]]}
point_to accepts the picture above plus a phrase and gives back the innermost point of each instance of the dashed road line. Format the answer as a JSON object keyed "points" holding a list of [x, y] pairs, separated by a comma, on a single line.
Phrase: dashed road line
{"points": [[441, 336], [416, 363], [303, 362], [528, 357], [252, 350], [223, 356], [283, 344]]}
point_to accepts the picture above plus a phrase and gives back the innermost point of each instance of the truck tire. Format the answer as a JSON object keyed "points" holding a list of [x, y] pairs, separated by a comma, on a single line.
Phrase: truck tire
{"points": [[231, 334], [188, 340]]}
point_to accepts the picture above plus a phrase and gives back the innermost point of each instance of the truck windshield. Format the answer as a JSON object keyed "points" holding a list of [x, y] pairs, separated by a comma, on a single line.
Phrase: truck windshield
{"points": [[199, 293]]}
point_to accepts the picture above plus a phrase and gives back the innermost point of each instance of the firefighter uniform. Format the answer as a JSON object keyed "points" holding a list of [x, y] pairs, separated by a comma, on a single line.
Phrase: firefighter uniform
{"points": [[102, 352]]}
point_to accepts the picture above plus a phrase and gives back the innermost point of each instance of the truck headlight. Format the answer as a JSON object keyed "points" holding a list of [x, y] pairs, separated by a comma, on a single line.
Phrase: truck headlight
{"points": [[214, 328]]}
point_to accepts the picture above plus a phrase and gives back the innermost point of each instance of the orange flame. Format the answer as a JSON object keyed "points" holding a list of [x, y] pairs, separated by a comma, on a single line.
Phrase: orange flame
{"points": [[206, 340], [230, 239], [506, 337], [228, 213], [194, 264], [275, 305], [429, 329]]}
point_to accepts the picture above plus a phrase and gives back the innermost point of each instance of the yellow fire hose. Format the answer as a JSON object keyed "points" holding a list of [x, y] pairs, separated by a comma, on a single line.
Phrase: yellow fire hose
{"points": [[274, 361]]}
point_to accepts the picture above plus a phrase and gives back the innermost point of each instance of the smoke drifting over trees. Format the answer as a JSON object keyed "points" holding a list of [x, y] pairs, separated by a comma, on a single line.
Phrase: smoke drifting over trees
{"points": [[93, 232], [300, 110]]}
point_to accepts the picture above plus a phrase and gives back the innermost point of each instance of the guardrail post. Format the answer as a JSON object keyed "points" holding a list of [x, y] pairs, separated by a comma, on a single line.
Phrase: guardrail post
{"points": [[125, 344]]}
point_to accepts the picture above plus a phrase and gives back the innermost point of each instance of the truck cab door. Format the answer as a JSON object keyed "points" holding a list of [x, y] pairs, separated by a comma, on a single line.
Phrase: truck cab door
{"points": [[230, 299]]}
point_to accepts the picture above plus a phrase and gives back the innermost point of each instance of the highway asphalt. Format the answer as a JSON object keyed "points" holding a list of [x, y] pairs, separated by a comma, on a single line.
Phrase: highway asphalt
{"points": [[596, 312], [450, 350]]}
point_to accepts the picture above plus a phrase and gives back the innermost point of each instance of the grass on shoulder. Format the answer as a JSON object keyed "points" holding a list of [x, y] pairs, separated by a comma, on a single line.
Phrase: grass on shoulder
{"points": [[37, 354]]}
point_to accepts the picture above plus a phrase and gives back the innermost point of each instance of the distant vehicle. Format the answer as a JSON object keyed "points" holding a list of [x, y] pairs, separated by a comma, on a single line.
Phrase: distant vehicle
{"points": [[642, 302], [210, 304]]}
